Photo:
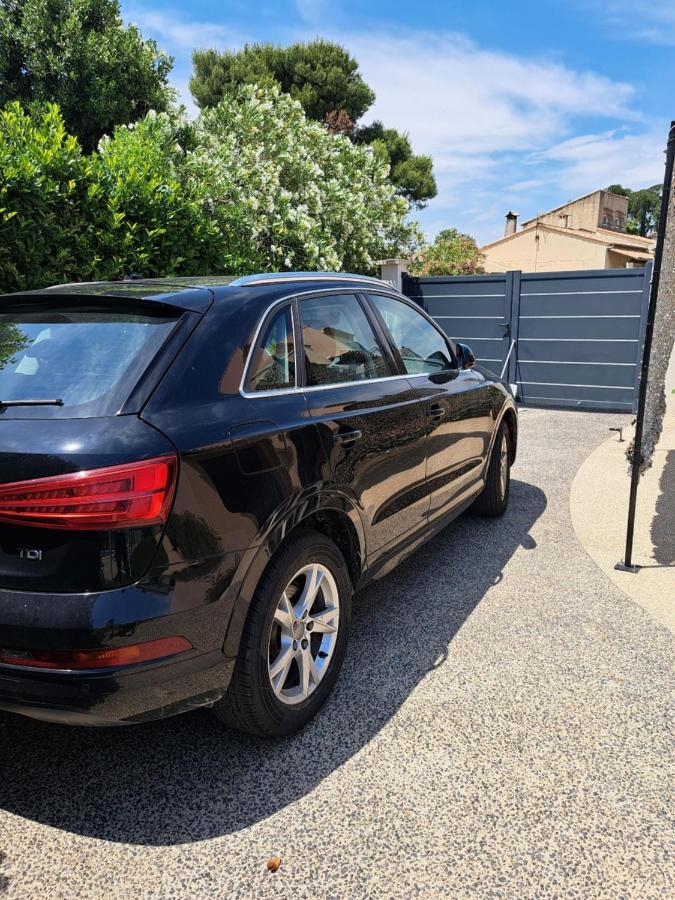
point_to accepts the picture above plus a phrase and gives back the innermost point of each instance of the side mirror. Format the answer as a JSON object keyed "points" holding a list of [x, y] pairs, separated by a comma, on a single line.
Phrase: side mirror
{"points": [[465, 356]]}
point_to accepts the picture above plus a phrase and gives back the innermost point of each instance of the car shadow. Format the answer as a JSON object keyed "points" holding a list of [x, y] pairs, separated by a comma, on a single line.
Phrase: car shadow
{"points": [[189, 779]]}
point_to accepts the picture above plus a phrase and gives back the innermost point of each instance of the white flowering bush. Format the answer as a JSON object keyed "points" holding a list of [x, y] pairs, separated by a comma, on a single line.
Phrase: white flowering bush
{"points": [[252, 185], [286, 194]]}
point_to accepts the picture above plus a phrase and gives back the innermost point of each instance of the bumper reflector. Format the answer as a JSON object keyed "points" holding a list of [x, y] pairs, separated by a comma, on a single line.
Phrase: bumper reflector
{"points": [[100, 658]]}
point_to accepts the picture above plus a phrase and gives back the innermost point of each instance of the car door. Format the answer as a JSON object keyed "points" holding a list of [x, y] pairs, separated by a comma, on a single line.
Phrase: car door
{"points": [[456, 403], [235, 413], [369, 417]]}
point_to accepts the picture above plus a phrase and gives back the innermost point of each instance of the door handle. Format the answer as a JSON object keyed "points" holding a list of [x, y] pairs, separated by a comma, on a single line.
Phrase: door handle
{"points": [[347, 438], [435, 412]]}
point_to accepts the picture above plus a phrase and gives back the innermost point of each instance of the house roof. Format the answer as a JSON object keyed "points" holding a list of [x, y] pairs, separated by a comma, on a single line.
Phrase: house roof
{"points": [[632, 254], [630, 242], [626, 240]]}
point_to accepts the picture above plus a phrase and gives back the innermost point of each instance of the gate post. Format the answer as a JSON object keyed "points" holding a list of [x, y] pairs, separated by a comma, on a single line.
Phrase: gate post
{"points": [[648, 272], [513, 317], [392, 271]]}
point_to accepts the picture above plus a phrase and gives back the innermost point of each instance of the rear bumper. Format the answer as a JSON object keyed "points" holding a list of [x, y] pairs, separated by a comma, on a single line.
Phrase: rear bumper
{"points": [[116, 698], [126, 694]]}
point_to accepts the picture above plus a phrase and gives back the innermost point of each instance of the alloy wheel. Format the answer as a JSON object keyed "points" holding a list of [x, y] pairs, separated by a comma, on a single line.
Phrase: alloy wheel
{"points": [[503, 465], [304, 633]]}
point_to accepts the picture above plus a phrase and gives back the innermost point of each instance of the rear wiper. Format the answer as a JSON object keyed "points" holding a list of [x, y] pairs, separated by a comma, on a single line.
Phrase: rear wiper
{"points": [[31, 403]]}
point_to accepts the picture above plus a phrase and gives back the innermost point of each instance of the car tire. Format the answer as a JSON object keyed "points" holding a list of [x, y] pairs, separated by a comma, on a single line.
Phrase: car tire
{"points": [[264, 700], [494, 498]]}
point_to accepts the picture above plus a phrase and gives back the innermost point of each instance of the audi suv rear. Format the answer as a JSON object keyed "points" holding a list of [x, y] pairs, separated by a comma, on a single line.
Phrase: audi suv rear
{"points": [[196, 475]]}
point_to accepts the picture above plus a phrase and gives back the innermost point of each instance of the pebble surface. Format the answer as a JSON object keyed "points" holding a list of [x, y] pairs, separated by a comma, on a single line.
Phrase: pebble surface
{"points": [[502, 728]]}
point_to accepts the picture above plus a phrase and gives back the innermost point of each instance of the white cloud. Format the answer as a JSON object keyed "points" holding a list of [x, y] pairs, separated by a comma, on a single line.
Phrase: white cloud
{"points": [[180, 36], [650, 21], [453, 96], [314, 12], [529, 184], [178, 33], [489, 119], [595, 160]]}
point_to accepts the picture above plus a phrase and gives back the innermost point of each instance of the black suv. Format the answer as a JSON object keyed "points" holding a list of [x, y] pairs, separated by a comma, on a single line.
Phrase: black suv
{"points": [[197, 474]]}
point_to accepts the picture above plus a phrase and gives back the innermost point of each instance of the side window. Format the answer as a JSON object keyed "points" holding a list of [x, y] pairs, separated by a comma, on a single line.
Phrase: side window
{"points": [[273, 362], [340, 345], [421, 346]]}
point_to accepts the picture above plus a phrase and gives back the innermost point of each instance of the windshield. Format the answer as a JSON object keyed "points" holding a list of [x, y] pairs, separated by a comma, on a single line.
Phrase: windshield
{"points": [[90, 360]]}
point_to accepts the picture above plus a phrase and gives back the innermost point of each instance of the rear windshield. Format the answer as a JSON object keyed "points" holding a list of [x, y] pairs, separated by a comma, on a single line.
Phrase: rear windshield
{"points": [[91, 360]]}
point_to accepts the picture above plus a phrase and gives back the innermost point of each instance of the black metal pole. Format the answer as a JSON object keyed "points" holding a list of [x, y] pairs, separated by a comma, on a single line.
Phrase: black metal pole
{"points": [[627, 564]]}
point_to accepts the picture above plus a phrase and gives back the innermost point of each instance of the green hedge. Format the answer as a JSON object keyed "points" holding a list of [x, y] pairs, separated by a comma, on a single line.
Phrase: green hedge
{"points": [[48, 218], [252, 185], [69, 217]]}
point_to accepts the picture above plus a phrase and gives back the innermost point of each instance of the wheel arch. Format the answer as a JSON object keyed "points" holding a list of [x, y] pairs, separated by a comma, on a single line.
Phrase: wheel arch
{"points": [[330, 513], [510, 417], [508, 414]]}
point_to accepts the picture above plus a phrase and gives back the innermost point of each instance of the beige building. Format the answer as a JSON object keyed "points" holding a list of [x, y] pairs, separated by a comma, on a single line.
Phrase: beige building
{"points": [[588, 233]]}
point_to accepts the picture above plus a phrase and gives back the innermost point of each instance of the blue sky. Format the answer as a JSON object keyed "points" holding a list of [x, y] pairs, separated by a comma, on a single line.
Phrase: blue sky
{"points": [[522, 105]]}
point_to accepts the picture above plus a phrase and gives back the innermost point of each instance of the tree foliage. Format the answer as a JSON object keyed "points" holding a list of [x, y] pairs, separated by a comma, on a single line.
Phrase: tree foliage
{"points": [[325, 80], [252, 185], [157, 219], [65, 216], [644, 207], [411, 173], [47, 218], [79, 54], [452, 253], [12, 342], [320, 75]]}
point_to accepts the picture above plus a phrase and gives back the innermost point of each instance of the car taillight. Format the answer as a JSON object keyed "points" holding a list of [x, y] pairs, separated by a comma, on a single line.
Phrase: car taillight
{"points": [[101, 658], [124, 496]]}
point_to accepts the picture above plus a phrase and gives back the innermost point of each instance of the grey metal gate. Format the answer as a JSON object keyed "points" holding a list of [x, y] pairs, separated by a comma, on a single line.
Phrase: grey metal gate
{"points": [[575, 337]]}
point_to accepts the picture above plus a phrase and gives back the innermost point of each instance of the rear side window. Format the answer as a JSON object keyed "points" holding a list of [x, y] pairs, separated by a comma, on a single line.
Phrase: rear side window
{"points": [[273, 362], [421, 346], [91, 360], [340, 345]]}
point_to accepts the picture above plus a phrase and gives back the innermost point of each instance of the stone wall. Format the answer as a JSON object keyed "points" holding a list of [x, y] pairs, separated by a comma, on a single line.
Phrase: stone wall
{"points": [[662, 345]]}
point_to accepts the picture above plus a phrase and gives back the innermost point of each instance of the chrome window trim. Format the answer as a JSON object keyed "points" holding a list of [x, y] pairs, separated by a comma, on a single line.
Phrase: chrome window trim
{"points": [[331, 387], [326, 292], [264, 319]]}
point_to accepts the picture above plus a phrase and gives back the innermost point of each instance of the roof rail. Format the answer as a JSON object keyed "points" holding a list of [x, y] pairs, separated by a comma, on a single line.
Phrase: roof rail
{"points": [[279, 277]]}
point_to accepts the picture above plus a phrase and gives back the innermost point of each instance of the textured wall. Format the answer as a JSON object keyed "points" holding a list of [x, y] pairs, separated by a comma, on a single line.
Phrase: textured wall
{"points": [[553, 252], [662, 346]]}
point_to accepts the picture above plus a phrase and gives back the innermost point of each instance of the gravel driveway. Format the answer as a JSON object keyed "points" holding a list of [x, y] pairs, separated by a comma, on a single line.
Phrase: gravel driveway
{"points": [[501, 729]]}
